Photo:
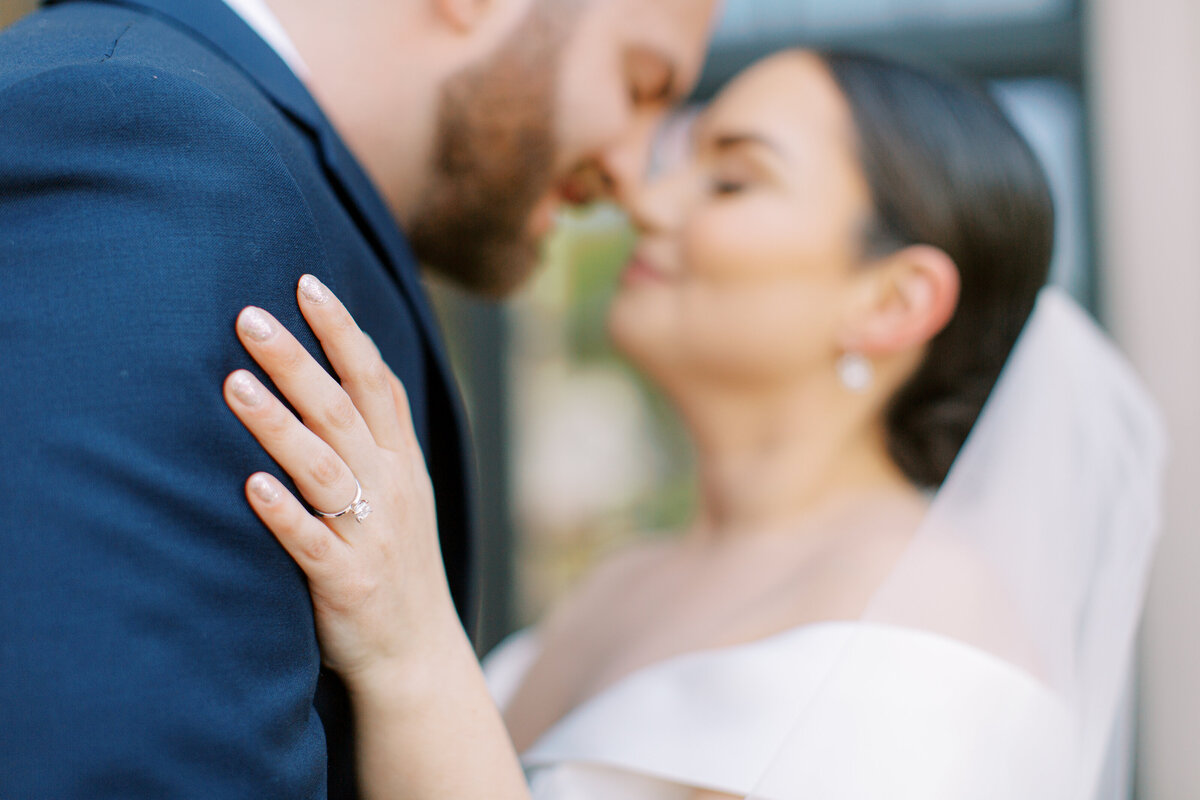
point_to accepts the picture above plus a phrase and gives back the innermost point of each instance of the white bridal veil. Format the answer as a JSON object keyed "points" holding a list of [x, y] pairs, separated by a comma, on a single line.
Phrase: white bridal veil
{"points": [[1026, 580]]}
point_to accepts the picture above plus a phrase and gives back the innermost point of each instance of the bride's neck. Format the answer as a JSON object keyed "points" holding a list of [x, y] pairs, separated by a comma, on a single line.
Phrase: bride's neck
{"points": [[767, 459]]}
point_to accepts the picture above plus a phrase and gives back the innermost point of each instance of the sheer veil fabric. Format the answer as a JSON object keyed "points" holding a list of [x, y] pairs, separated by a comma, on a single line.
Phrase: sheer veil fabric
{"points": [[1025, 583]]}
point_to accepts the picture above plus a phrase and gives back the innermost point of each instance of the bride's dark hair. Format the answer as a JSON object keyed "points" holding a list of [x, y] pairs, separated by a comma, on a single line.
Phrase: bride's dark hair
{"points": [[946, 168]]}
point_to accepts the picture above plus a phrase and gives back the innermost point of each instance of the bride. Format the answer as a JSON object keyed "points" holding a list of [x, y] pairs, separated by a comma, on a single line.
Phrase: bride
{"points": [[829, 290]]}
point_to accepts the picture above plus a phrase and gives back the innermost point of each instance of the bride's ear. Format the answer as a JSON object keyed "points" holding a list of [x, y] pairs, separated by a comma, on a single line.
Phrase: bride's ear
{"points": [[901, 302]]}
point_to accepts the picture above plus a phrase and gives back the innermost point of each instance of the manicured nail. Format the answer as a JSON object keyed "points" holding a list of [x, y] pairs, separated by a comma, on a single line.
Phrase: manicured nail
{"points": [[264, 489], [256, 324], [245, 388], [313, 290]]}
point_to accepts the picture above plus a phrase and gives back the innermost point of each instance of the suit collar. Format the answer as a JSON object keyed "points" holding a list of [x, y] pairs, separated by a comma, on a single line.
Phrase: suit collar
{"points": [[259, 16]]}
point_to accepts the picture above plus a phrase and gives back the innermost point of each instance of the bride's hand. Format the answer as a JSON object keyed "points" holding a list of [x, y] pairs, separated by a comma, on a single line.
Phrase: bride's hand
{"points": [[378, 586]]}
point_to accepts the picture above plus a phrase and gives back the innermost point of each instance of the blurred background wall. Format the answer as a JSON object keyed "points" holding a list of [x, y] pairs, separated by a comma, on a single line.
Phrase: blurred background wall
{"points": [[577, 456], [1144, 74]]}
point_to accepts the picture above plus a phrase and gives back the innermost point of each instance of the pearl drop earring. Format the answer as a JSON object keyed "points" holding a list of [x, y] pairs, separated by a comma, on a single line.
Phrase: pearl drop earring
{"points": [[856, 371]]}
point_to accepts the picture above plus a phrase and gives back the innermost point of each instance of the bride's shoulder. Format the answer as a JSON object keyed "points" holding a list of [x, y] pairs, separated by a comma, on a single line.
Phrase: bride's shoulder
{"points": [[887, 568], [614, 576], [942, 585]]}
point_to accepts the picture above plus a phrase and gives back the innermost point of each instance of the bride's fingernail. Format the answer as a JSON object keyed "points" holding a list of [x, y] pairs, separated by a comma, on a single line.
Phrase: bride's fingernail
{"points": [[256, 324], [313, 290], [263, 487], [246, 389]]}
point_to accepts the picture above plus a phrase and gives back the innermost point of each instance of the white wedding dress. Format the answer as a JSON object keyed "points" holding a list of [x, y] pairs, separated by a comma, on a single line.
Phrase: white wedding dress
{"points": [[905, 715]]}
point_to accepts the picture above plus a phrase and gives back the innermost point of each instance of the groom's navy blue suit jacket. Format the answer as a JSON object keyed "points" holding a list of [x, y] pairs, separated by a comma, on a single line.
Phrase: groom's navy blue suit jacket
{"points": [[160, 169]]}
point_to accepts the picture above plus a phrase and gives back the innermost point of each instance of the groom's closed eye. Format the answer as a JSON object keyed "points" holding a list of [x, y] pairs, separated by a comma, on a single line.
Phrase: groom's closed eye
{"points": [[651, 78]]}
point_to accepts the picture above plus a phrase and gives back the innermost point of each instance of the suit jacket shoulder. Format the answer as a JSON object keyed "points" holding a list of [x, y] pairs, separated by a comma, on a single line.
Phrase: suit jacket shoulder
{"points": [[156, 640]]}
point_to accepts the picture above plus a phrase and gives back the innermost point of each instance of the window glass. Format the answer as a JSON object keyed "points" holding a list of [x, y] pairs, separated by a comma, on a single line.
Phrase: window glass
{"points": [[750, 20]]}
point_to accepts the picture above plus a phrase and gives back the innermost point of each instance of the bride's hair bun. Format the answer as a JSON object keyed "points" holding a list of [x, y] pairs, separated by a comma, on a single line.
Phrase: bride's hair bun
{"points": [[946, 168]]}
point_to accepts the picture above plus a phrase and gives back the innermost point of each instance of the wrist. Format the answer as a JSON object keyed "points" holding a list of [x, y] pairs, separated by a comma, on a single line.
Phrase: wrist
{"points": [[407, 680]]}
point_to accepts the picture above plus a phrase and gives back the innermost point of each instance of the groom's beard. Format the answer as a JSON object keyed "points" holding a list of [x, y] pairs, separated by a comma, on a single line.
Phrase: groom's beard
{"points": [[494, 159]]}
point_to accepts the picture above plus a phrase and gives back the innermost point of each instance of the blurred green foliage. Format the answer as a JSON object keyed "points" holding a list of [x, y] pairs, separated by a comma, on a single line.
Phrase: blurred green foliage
{"points": [[593, 255]]}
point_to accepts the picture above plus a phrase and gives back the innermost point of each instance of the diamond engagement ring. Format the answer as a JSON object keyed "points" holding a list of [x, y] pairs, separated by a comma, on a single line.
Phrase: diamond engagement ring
{"points": [[360, 508]]}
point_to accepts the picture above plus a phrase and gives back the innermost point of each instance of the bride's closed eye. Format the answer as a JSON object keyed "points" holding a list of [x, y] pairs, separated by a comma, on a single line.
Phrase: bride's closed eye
{"points": [[727, 186], [731, 176], [740, 162], [735, 173]]}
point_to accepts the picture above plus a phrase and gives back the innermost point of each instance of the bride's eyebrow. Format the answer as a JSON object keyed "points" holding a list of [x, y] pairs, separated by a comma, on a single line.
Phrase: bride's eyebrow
{"points": [[734, 140], [705, 134]]}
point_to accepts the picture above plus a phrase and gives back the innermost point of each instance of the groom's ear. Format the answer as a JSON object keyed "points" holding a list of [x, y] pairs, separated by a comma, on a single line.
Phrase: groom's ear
{"points": [[902, 301], [462, 15]]}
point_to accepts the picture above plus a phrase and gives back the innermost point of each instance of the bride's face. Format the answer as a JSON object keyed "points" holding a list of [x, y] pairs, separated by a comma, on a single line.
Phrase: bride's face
{"points": [[750, 249]]}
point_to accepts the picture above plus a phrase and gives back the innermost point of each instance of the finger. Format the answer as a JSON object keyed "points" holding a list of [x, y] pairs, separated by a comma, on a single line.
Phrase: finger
{"points": [[320, 474], [401, 409], [323, 405], [365, 376], [404, 414], [315, 547]]}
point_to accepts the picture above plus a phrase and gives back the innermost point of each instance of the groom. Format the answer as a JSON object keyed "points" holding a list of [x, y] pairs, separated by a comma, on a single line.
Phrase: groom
{"points": [[164, 163]]}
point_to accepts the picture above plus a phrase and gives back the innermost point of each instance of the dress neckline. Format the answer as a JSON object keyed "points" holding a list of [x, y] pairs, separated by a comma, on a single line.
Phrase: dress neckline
{"points": [[726, 652], [715, 719]]}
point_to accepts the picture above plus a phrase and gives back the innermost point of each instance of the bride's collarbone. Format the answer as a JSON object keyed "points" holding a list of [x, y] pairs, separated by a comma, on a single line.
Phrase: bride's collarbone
{"points": [[660, 602]]}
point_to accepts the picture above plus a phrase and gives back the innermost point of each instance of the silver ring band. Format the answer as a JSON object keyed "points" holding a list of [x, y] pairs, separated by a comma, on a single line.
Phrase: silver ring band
{"points": [[360, 508]]}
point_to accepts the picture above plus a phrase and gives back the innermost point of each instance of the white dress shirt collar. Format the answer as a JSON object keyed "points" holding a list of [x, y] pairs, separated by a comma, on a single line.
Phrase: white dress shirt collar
{"points": [[259, 16]]}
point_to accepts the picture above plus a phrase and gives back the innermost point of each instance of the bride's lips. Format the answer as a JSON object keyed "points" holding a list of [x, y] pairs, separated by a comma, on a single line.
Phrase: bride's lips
{"points": [[642, 270]]}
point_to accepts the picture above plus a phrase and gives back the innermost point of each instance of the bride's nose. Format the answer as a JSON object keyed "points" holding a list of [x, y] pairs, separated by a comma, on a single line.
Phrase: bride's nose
{"points": [[656, 205]]}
